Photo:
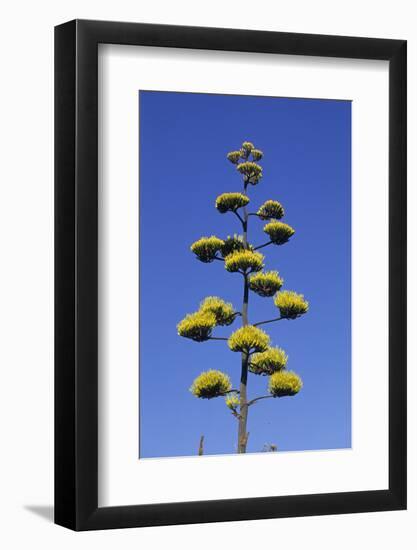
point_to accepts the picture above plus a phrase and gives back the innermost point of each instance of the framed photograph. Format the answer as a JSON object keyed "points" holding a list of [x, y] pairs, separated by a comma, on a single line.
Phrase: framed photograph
{"points": [[230, 275]]}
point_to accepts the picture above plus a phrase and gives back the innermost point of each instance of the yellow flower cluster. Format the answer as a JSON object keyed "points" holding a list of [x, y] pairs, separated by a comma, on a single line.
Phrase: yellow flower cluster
{"points": [[248, 339], [249, 155], [251, 171], [209, 384], [247, 148], [278, 232], [271, 210], [197, 326], [266, 283], [290, 304], [283, 383], [223, 311], [213, 311], [268, 362], [257, 154], [231, 244], [244, 261], [232, 401], [206, 248], [230, 202], [234, 156]]}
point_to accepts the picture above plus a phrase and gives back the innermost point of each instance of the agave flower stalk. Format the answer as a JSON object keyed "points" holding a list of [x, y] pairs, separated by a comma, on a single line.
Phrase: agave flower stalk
{"points": [[257, 356]]}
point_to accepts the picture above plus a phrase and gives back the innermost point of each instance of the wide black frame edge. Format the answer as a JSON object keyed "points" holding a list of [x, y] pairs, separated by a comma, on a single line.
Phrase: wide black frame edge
{"points": [[398, 274], [242, 40], [119, 517], [65, 257]]}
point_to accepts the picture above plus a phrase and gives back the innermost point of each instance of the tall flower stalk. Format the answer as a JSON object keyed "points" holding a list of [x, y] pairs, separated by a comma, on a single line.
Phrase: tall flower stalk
{"points": [[258, 357]]}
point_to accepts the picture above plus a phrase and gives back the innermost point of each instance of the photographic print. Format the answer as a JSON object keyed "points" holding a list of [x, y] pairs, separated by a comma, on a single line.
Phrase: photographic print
{"points": [[245, 274], [230, 274]]}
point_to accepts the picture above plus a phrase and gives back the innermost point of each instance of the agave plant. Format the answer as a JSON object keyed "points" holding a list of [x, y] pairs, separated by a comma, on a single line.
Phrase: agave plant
{"points": [[257, 356]]}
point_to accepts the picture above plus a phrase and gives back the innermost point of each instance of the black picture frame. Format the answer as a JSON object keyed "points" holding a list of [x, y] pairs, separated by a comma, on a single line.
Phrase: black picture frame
{"points": [[76, 272]]}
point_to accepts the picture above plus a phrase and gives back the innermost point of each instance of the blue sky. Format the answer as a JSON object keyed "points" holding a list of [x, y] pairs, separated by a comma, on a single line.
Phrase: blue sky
{"points": [[184, 139]]}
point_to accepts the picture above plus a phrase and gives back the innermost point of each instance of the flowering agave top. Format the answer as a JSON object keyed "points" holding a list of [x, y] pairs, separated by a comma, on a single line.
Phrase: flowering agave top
{"points": [[246, 160], [239, 255], [246, 149]]}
